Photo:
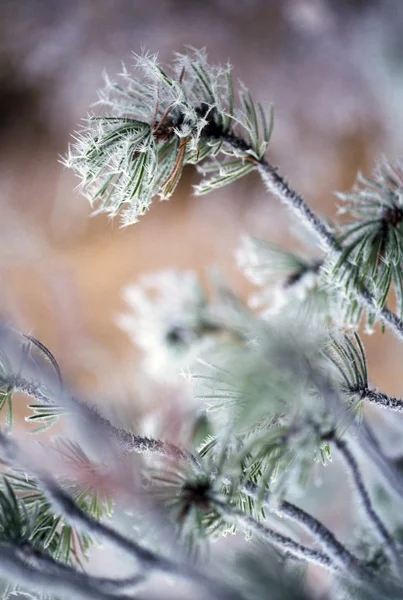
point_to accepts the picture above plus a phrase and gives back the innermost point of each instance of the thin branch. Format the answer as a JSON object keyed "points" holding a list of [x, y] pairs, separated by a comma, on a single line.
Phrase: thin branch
{"points": [[47, 564], [32, 389], [373, 516], [333, 548], [133, 443], [14, 566], [138, 444], [381, 399], [283, 542], [129, 441], [280, 188], [385, 466]]}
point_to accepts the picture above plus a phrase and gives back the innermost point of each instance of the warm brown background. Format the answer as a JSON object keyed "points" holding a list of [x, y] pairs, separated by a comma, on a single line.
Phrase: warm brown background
{"points": [[334, 70]]}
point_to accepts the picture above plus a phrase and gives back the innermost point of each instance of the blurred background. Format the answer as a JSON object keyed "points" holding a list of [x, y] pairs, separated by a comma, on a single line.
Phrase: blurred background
{"points": [[332, 68]]}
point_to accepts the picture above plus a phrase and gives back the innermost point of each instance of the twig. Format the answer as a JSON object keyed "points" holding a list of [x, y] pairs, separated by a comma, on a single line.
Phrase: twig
{"points": [[385, 466], [333, 548], [67, 584], [373, 516], [46, 563], [127, 439], [285, 543], [382, 400], [280, 188]]}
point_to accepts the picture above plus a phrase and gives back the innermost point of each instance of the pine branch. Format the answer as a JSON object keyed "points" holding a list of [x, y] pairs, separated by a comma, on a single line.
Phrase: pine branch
{"points": [[140, 444], [128, 440], [277, 185], [350, 360], [157, 123], [148, 560], [365, 578]]}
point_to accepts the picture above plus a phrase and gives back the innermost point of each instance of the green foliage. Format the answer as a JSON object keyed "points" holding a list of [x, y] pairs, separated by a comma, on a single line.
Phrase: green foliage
{"points": [[16, 524], [46, 414], [350, 361], [28, 518], [267, 420], [49, 531]]}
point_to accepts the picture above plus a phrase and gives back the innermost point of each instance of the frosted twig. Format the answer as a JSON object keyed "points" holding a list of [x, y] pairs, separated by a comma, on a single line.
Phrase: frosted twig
{"points": [[362, 491]]}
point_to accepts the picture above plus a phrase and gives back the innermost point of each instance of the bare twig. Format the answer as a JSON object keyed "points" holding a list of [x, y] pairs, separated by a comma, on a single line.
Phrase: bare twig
{"points": [[283, 542], [67, 584], [362, 491], [382, 400], [385, 466], [339, 555]]}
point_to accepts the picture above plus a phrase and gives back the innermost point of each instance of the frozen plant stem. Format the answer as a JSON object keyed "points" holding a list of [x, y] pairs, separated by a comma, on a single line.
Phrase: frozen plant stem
{"points": [[335, 555], [382, 400], [138, 444], [341, 557], [129, 441], [288, 545], [66, 584], [335, 551]]}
